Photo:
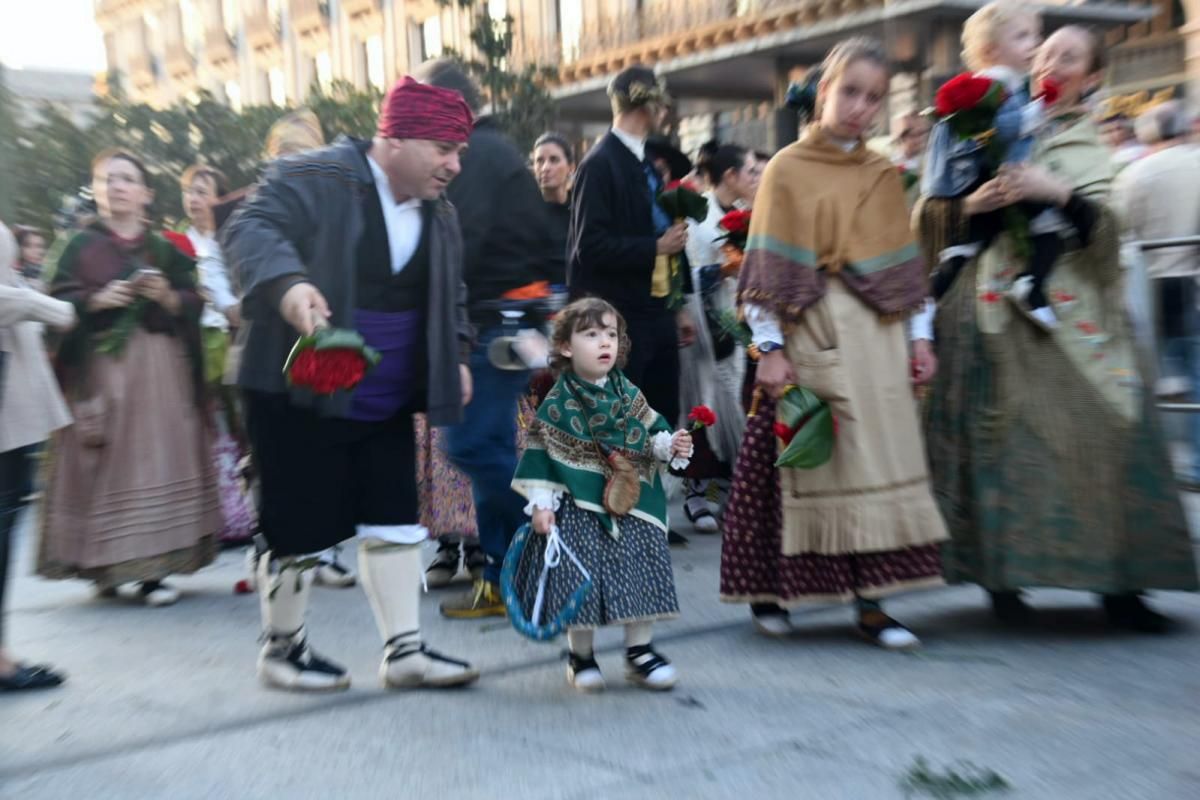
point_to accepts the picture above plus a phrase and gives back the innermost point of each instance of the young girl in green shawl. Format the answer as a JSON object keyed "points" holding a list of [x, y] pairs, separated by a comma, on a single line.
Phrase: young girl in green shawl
{"points": [[591, 418]]}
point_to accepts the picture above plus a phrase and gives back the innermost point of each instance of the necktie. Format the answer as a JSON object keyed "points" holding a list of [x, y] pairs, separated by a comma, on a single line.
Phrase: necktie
{"points": [[654, 183]]}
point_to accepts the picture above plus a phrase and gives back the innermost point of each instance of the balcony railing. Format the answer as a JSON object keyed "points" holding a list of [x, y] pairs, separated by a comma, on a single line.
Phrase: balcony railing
{"points": [[1147, 60], [667, 28], [358, 8], [219, 50], [310, 24], [143, 70], [262, 31]]}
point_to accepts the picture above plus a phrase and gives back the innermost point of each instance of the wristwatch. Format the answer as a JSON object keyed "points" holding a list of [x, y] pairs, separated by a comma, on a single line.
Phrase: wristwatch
{"points": [[769, 347]]}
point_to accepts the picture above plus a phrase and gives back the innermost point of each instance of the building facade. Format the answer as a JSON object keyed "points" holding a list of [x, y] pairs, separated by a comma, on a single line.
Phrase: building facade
{"points": [[728, 61], [73, 93], [257, 52]]}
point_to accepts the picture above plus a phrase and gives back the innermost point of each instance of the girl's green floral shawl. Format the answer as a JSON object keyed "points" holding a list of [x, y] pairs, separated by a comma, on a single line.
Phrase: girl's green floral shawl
{"points": [[561, 450]]}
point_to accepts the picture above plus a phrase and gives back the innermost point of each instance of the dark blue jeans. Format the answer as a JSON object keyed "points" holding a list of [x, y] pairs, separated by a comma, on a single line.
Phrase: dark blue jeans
{"points": [[484, 446]]}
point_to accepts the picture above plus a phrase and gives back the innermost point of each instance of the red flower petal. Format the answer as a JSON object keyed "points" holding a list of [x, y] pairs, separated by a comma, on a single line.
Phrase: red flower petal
{"points": [[703, 416], [960, 93], [182, 243]]}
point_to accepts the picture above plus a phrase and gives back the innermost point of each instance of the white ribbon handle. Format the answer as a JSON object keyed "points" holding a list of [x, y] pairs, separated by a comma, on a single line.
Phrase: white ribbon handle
{"points": [[551, 558]]}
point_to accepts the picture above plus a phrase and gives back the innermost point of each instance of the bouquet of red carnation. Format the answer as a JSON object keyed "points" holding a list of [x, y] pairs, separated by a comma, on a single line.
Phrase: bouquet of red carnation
{"points": [[736, 225], [806, 427], [968, 104], [702, 417], [682, 200], [330, 360]]}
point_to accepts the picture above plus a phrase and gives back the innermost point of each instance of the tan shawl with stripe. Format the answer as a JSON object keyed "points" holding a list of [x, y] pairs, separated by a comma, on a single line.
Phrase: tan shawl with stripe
{"points": [[822, 210]]}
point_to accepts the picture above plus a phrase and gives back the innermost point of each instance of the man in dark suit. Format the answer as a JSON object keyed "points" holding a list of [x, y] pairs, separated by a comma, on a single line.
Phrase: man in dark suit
{"points": [[621, 241]]}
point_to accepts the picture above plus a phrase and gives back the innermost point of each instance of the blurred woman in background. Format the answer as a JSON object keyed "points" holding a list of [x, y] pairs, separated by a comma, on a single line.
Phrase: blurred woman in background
{"points": [[132, 496]]}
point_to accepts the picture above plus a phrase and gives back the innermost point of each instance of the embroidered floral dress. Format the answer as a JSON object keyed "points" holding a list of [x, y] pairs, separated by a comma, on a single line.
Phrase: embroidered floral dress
{"points": [[1047, 457]]}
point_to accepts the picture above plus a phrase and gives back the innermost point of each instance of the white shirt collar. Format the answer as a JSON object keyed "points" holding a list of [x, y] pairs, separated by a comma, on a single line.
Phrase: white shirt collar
{"points": [[636, 145], [385, 189]]}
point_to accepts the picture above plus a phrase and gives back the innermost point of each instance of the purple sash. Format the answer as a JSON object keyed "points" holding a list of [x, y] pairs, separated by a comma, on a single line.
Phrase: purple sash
{"points": [[389, 387]]}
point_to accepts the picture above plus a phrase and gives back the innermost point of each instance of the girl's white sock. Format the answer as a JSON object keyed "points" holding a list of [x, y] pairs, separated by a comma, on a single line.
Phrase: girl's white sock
{"points": [[638, 634], [580, 642]]}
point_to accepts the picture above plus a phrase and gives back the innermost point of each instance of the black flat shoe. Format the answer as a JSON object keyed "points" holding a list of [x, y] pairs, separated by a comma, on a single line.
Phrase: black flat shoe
{"points": [[1130, 612], [676, 539], [30, 676], [1011, 609]]}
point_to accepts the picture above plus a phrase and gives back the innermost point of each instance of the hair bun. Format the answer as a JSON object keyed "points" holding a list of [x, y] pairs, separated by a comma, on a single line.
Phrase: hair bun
{"points": [[802, 95]]}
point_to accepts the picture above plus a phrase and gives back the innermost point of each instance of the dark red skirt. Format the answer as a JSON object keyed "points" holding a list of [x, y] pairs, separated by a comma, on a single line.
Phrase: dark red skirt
{"points": [[753, 567]]}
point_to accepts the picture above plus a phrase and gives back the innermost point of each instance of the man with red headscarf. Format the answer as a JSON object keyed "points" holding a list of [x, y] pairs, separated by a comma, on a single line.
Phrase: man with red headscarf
{"points": [[356, 235]]}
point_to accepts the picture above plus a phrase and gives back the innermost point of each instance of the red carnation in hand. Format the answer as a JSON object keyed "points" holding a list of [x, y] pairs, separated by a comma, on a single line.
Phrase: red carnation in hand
{"points": [[182, 243], [961, 93], [1049, 90], [327, 371], [329, 361], [702, 417]]}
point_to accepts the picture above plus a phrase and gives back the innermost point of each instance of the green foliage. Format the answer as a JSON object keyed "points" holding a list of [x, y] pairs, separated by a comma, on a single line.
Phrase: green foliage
{"points": [[923, 781], [519, 100], [51, 157]]}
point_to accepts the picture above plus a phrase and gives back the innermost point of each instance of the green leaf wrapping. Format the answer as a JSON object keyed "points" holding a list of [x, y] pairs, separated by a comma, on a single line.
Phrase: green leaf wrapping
{"points": [[681, 203], [333, 339], [810, 417]]}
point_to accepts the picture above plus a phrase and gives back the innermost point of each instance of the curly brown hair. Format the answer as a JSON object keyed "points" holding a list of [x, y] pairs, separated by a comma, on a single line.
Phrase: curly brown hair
{"points": [[588, 312]]}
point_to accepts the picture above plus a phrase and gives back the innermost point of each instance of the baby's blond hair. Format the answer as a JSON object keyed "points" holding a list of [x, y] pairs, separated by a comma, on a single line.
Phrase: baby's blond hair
{"points": [[983, 28]]}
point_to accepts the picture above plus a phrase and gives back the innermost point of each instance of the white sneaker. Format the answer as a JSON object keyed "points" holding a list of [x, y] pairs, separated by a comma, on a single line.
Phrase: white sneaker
{"points": [[696, 509], [157, 594], [649, 670], [1020, 289], [287, 662], [1019, 292], [889, 634], [333, 575], [584, 673], [777, 626], [413, 665], [1045, 317]]}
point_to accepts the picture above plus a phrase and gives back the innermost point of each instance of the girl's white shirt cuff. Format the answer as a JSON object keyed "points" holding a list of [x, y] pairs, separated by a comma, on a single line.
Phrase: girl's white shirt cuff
{"points": [[664, 443], [543, 498]]}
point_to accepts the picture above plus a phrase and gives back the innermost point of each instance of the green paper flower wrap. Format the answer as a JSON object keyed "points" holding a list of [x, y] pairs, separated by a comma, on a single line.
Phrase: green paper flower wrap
{"points": [[807, 428]]}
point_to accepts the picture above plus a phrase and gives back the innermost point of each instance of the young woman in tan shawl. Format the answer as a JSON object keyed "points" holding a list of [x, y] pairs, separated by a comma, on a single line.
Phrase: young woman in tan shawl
{"points": [[830, 276]]}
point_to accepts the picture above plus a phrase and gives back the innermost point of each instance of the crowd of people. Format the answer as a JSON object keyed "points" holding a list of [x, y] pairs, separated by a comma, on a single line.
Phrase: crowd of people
{"points": [[546, 325]]}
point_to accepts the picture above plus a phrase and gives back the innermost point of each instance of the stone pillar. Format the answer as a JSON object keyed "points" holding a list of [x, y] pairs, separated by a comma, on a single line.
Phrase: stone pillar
{"points": [[943, 60], [783, 127], [1191, 56]]}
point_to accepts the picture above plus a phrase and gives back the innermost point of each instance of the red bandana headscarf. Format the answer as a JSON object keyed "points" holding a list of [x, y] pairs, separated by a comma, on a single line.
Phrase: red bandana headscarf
{"points": [[414, 110]]}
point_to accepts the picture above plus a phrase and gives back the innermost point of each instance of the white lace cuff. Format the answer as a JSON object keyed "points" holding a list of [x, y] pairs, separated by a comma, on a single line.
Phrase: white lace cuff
{"points": [[920, 325], [545, 499], [664, 443]]}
